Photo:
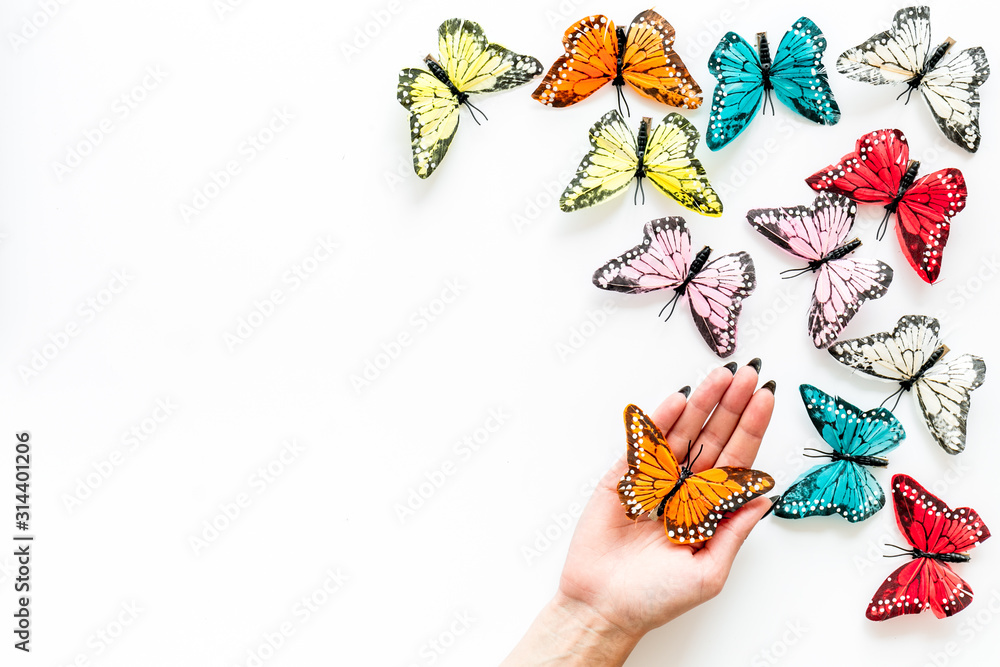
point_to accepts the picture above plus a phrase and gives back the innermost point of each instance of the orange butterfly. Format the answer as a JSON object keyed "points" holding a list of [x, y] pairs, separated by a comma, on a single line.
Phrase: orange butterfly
{"points": [[691, 504], [597, 52]]}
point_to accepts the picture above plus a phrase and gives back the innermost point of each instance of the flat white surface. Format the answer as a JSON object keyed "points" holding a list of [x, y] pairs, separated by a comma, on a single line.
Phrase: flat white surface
{"points": [[469, 569]]}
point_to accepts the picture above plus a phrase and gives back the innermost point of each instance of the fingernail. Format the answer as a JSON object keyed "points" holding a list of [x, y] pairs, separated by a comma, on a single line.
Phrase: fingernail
{"points": [[731, 367], [686, 390], [774, 503], [755, 364], [769, 385]]}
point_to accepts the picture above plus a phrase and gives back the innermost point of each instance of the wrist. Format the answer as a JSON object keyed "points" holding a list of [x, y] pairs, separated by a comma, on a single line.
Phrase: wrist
{"points": [[568, 632]]}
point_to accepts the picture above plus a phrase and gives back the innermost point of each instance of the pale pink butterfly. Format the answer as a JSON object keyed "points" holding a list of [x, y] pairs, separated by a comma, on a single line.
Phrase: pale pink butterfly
{"points": [[818, 233], [714, 289]]}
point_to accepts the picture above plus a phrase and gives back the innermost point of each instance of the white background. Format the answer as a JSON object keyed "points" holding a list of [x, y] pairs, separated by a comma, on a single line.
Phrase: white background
{"points": [[326, 523]]}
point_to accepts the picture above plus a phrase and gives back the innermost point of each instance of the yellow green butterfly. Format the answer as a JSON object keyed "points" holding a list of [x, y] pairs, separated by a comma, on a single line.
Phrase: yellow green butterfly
{"points": [[469, 64], [664, 154]]}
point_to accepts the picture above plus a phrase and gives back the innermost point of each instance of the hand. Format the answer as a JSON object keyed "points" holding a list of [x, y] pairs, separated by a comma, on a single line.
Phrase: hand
{"points": [[608, 595]]}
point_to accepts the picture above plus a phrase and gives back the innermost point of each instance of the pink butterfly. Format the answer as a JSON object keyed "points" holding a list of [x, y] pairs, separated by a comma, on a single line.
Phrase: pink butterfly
{"points": [[715, 289], [818, 233]]}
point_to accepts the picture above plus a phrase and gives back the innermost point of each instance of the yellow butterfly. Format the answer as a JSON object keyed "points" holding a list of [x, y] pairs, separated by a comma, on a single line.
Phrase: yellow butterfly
{"points": [[664, 153], [469, 64]]}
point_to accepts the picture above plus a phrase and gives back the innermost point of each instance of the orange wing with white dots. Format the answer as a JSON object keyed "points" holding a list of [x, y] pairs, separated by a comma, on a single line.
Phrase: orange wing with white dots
{"points": [[653, 68], [648, 63], [691, 504], [590, 61]]}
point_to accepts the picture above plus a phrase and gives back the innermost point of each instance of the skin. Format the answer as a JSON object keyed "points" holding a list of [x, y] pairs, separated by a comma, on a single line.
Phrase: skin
{"points": [[598, 614]]}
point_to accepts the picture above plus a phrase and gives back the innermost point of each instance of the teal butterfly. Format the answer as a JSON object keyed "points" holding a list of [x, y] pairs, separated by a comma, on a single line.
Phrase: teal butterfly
{"points": [[844, 486], [796, 75]]}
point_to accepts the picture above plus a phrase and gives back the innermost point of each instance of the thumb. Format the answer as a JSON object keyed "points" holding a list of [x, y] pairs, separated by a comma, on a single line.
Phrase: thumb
{"points": [[734, 531]]}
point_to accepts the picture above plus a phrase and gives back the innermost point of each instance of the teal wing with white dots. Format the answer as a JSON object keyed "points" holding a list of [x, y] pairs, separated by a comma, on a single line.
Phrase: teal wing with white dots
{"points": [[799, 77], [841, 487], [738, 94]]}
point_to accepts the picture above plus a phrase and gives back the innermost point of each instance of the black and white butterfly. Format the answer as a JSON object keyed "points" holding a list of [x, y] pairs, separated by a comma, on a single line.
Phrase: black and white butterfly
{"points": [[912, 355], [904, 54]]}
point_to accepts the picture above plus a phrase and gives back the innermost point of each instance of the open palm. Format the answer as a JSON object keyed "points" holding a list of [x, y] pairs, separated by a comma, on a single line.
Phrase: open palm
{"points": [[627, 571]]}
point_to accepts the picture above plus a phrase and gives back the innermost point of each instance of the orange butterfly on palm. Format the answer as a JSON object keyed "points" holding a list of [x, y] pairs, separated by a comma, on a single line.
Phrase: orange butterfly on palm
{"points": [[691, 504], [597, 53]]}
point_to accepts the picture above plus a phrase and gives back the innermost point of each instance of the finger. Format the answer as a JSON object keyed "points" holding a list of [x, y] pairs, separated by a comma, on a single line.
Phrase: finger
{"points": [[745, 441], [724, 420], [733, 532], [666, 414], [611, 478], [698, 408]]}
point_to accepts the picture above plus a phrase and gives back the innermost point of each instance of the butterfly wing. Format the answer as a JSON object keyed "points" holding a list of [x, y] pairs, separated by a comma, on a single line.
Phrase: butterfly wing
{"points": [[652, 467], [474, 65], [952, 93], [871, 174], [590, 61], [920, 584], [433, 117], [651, 66], [738, 93], [929, 524], [841, 487], [716, 297], [847, 429], [661, 261], [799, 77], [893, 56], [895, 356], [810, 232], [608, 167], [672, 167], [923, 219], [842, 287], [692, 515], [944, 393]]}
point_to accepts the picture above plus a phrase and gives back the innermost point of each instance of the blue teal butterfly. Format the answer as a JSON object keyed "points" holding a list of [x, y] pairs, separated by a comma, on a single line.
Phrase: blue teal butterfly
{"points": [[844, 486], [796, 75]]}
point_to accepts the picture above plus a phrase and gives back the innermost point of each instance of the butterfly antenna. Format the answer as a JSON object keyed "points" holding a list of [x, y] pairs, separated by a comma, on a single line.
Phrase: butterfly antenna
{"points": [[700, 450], [819, 454], [906, 552], [909, 91], [622, 98], [672, 303], [794, 273], [883, 226], [473, 109], [687, 455], [898, 394], [638, 189]]}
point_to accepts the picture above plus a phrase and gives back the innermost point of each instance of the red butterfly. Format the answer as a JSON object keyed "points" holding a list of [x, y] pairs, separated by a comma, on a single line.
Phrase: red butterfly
{"points": [[939, 535], [880, 171]]}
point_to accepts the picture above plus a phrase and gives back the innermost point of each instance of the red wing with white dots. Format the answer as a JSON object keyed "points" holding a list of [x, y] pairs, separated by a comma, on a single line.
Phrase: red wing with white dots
{"points": [[879, 171], [938, 535], [691, 504]]}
